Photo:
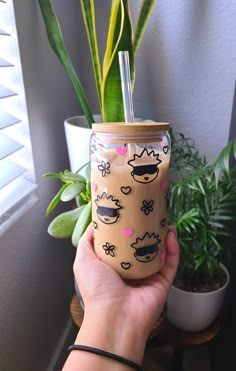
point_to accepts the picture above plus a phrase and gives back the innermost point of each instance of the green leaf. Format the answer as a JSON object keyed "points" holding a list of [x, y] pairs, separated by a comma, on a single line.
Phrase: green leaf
{"points": [[63, 225], [222, 161], [90, 25], [52, 175], [113, 33], [144, 15], [223, 158], [234, 147], [71, 191], [215, 224], [199, 182], [55, 200], [70, 177], [119, 39], [56, 41], [199, 262], [82, 223], [88, 173], [82, 200]]}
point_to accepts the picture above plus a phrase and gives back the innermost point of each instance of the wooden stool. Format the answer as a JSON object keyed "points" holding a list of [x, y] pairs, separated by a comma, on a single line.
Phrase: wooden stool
{"points": [[163, 334], [182, 340]]}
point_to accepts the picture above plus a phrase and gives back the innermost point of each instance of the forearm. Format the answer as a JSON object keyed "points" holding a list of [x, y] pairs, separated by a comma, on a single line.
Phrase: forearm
{"points": [[111, 332]]}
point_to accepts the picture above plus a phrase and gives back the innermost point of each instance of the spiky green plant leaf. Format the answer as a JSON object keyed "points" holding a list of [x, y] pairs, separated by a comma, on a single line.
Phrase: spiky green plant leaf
{"points": [[88, 12], [119, 39], [56, 41], [144, 15], [222, 161]]}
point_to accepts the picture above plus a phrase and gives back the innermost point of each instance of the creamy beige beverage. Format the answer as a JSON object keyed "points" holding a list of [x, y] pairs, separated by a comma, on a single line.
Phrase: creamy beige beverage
{"points": [[129, 183]]}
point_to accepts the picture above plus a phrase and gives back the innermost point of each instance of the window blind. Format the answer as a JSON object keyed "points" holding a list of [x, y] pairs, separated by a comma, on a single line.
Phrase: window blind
{"points": [[17, 178]]}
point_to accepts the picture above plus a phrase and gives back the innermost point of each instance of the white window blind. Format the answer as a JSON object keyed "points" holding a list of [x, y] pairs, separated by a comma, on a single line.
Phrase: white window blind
{"points": [[17, 179]]}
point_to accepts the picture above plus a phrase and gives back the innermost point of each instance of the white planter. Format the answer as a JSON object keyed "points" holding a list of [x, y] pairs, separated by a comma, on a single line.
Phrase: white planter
{"points": [[195, 311], [78, 136]]}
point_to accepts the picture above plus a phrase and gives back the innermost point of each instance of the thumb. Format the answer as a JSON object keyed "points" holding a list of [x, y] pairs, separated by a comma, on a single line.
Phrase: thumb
{"points": [[85, 253], [172, 258]]}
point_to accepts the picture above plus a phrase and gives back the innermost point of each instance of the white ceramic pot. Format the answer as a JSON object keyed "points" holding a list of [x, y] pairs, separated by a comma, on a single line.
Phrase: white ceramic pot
{"points": [[78, 136], [195, 311]]}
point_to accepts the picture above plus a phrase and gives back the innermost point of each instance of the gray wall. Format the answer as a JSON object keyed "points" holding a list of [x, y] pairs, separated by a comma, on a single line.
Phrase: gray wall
{"points": [[186, 69], [185, 74]]}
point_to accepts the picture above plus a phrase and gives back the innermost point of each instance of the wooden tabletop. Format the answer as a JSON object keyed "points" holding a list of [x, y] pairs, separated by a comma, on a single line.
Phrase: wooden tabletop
{"points": [[164, 333]]}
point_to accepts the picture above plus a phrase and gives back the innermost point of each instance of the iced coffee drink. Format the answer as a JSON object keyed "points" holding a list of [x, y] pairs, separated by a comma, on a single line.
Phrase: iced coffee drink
{"points": [[129, 184]]}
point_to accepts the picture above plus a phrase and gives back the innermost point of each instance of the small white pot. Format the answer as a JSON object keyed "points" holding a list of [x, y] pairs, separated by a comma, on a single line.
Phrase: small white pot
{"points": [[190, 311], [78, 136]]}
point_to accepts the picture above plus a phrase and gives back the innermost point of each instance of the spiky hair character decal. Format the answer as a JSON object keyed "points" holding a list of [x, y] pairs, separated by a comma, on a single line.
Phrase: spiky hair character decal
{"points": [[146, 247], [145, 166], [107, 208]]}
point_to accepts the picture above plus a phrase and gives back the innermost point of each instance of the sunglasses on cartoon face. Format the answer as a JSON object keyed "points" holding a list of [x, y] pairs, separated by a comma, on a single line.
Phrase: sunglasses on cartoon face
{"points": [[145, 169], [145, 173], [147, 253], [107, 215]]}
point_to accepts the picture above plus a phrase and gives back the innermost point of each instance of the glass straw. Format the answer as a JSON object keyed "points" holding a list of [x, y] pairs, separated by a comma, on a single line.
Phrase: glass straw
{"points": [[126, 86]]}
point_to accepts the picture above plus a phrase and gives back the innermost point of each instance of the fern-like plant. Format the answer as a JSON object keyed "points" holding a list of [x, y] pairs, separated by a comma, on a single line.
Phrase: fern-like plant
{"points": [[202, 205]]}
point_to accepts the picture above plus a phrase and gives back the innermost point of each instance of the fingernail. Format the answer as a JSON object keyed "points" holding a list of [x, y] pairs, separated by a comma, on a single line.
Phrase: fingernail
{"points": [[174, 233]]}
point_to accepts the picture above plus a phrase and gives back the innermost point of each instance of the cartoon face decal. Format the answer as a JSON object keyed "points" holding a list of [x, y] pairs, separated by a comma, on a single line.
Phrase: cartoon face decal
{"points": [[145, 166], [146, 247], [107, 208]]}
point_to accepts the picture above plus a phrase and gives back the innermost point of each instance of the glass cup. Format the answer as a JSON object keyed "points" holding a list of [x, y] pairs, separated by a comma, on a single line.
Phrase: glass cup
{"points": [[129, 185]]}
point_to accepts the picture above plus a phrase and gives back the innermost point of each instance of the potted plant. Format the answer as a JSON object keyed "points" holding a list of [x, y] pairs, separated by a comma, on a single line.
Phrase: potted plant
{"points": [[107, 80], [76, 185], [201, 205]]}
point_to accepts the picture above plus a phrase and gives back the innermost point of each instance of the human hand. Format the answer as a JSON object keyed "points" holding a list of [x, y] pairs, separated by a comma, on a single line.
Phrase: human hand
{"points": [[119, 315], [103, 291]]}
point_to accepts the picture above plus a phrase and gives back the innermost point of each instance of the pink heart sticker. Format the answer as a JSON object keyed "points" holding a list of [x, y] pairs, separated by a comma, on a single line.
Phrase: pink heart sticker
{"points": [[164, 184], [127, 232], [162, 144], [121, 150], [94, 187], [162, 255]]}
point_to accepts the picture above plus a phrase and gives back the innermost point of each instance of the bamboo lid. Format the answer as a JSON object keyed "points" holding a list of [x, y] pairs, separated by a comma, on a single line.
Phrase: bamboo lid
{"points": [[136, 127]]}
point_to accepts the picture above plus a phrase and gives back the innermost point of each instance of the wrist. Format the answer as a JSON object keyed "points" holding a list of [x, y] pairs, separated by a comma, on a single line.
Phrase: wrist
{"points": [[111, 331]]}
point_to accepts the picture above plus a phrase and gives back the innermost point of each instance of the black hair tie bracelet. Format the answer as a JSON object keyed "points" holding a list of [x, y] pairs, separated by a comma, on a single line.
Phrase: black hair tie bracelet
{"points": [[105, 354]]}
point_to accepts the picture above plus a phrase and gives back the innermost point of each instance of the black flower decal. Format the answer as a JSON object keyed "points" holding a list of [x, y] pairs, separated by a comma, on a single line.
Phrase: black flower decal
{"points": [[147, 207], [109, 249], [104, 167]]}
